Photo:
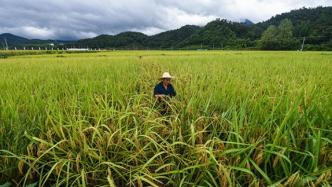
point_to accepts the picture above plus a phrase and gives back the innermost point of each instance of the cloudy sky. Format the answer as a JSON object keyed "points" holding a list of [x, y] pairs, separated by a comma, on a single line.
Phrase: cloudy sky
{"points": [[74, 19]]}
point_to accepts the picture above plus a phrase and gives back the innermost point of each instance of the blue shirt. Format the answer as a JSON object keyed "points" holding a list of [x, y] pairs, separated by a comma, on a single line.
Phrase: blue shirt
{"points": [[160, 90]]}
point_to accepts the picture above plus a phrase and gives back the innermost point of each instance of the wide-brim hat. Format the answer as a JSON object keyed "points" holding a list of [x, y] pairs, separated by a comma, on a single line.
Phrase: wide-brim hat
{"points": [[166, 75]]}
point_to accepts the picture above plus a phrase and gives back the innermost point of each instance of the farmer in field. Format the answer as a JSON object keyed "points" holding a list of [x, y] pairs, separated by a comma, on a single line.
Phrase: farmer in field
{"points": [[163, 90]]}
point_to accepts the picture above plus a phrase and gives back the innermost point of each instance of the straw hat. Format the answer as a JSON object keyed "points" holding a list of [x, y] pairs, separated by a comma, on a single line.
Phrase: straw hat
{"points": [[166, 75]]}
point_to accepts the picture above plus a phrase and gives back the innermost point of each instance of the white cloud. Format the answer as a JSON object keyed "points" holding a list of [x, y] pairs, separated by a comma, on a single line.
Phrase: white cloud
{"points": [[261, 10], [175, 17], [149, 30], [61, 19], [38, 32]]}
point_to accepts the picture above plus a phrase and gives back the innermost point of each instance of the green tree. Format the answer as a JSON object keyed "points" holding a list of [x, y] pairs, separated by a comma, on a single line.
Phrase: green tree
{"points": [[279, 38], [285, 35], [269, 38], [285, 30]]}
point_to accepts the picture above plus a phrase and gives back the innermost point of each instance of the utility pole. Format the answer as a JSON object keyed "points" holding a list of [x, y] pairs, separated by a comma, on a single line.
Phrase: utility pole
{"points": [[303, 44], [6, 44]]}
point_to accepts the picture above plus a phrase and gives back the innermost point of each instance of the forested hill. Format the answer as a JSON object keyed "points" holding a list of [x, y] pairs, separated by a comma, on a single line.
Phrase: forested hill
{"points": [[306, 21], [136, 40], [281, 32], [288, 31], [13, 41], [315, 25]]}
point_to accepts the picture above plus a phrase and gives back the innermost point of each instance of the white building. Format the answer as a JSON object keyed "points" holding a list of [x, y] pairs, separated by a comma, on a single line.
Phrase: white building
{"points": [[78, 49]]}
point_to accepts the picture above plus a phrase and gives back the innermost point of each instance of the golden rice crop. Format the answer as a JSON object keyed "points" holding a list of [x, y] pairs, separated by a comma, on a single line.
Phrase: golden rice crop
{"points": [[240, 118]]}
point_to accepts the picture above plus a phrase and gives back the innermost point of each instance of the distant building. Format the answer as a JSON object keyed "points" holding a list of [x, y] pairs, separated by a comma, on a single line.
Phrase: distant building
{"points": [[78, 49]]}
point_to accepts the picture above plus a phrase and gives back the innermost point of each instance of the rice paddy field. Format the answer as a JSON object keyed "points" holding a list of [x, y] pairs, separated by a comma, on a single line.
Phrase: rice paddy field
{"points": [[240, 118]]}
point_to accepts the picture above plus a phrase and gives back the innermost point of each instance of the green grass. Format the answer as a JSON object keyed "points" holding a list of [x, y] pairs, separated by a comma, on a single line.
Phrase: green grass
{"points": [[240, 118]]}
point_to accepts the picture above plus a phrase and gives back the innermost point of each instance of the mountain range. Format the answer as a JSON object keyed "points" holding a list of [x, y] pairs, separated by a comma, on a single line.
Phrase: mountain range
{"points": [[314, 25]]}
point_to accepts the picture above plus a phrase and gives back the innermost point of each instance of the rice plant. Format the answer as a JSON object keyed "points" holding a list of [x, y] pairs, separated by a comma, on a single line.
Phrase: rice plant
{"points": [[239, 119]]}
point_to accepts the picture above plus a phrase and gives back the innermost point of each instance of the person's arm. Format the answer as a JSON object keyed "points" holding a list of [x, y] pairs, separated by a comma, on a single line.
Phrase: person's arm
{"points": [[159, 96], [156, 93]]}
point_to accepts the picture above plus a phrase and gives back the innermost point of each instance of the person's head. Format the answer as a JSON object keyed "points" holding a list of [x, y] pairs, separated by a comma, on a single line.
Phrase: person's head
{"points": [[166, 81], [166, 78]]}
